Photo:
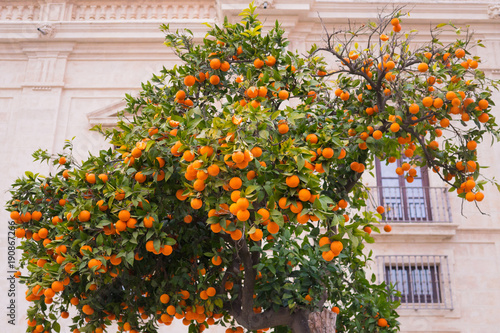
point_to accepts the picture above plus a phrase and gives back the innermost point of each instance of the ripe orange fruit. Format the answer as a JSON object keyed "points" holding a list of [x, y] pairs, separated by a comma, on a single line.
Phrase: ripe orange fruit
{"points": [[377, 135], [238, 157], [344, 96], [179, 195], [148, 221], [164, 298], [216, 261], [213, 170], [283, 95], [262, 91], [264, 213], [327, 153], [62, 160], [283, 128], [140, 177], [225, 66], [188, 156], [90, 178], [328, 255], [471, 145], [395, 127], [438, 102], [471, 166], [124, 215], [427, 101], [243, 215], [312, 138], [380, 210], [257, 235], [258, 63], [214, 80], [15, 215], [304, 195], [270, 61], [336, 247], [211, 291], [205, 150], [484, 117], [189, 80], [180, 95], [282, 203], [242, 203], [382, 322], [470, 196], [459, 53], [84, 216], [87, 309], [235, 183], [199, 185], [273, 228], [483, 104], [445, 122], [387, 228], [36, 216], [423, 67], [215, 63], [292, 181], [252, 92]]}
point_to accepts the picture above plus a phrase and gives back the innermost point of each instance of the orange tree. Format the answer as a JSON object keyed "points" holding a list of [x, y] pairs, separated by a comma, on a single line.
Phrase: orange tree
{"points": [[232, 195]]}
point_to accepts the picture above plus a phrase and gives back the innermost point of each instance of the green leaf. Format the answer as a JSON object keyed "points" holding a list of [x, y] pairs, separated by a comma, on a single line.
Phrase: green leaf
{"points": [[130, 258], [218, 302]]}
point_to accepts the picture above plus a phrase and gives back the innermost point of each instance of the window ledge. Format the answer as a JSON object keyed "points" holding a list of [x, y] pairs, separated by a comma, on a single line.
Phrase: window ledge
{"points": [[447, 313], [417, 232]]}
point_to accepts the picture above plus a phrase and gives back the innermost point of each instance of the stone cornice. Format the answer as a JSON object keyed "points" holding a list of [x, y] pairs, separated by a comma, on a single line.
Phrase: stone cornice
{"points": [[99, 31], [114, 10], [494, 11]]}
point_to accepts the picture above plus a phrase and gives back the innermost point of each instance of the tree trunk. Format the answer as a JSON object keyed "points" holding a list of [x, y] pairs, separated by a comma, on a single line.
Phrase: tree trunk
{"points": [[315, 322], [322, 322]]}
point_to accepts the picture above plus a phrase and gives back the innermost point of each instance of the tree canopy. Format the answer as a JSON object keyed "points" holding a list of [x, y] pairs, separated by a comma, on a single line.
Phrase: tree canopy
{"points": [[232, 195]]}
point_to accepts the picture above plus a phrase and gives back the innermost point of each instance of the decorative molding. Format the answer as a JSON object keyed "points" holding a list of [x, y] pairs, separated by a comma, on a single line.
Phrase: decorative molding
{"points": [[418, 232], [94, 10], [46, 31], [145, 11], [106, 116], [20, 12], [494, 11], [41, 88], [265, 4]]}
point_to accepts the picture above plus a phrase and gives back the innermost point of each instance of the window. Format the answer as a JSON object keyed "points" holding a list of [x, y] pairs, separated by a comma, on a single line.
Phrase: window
{"points": [[423, 281], [403, 201]]}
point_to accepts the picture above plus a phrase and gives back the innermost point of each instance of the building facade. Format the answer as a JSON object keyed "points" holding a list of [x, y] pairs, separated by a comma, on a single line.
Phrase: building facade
{"points": [[66, 65]]}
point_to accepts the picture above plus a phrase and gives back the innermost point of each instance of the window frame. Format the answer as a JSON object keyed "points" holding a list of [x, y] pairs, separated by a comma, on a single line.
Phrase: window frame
{"points": [[424, 175], [409, 296]]}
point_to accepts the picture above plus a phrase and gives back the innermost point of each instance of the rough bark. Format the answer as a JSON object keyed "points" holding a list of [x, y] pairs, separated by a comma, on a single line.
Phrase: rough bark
{"points": [[322, 322], [300, 322]]}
